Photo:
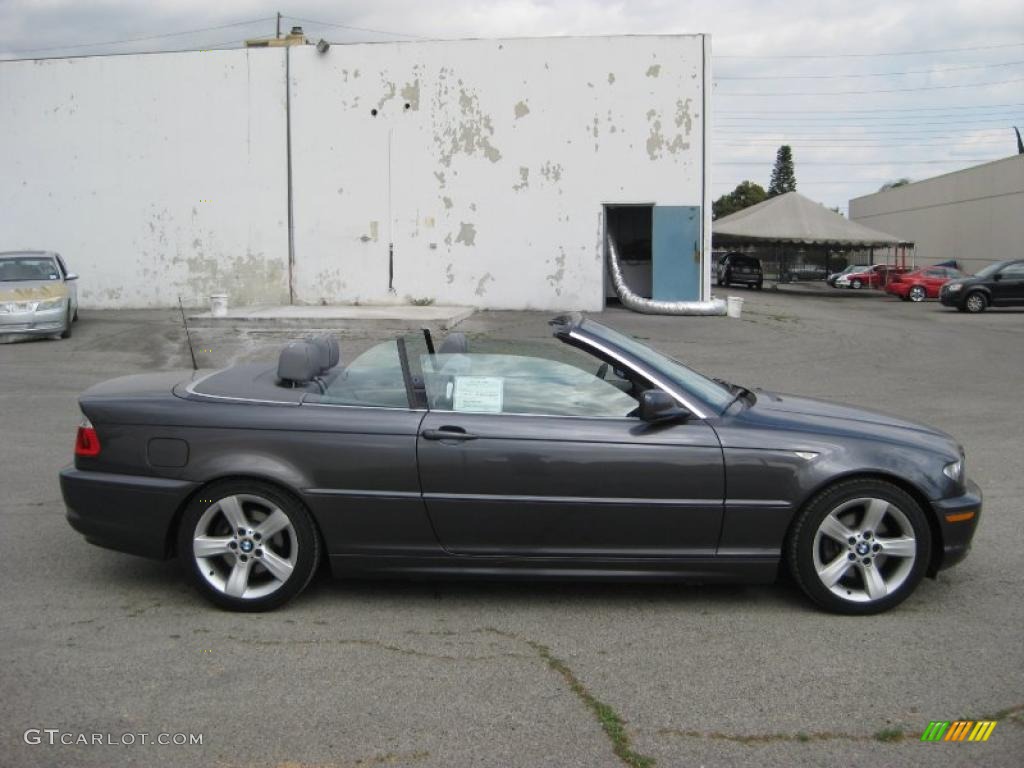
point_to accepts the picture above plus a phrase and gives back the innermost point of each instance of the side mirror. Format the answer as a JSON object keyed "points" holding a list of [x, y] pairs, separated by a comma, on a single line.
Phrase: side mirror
{"points": [[657, 406], [71, 276]]}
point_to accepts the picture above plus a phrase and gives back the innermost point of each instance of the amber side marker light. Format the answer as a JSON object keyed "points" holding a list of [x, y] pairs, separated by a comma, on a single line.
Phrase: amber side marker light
{"points": [[87, 442], [960, 517]]}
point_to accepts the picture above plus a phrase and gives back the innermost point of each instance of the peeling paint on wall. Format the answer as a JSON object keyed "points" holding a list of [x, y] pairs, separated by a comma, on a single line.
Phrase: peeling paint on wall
{"points": [[521, 109], [657, 143], [524, 179], [654, 70], [611, 78], [481, 288], [471, 133], [447, 202], [556, 277], [467, 234], [551, 171], [411, 94]]}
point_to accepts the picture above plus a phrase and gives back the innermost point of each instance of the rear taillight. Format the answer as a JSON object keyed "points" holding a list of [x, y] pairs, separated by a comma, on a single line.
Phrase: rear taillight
{"points": [[87, 442]]}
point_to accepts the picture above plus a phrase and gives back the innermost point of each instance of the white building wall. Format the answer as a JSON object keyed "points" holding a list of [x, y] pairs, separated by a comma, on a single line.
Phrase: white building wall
{"points": [[164, 175], [153, 175], [490, 184], [973, 215]]}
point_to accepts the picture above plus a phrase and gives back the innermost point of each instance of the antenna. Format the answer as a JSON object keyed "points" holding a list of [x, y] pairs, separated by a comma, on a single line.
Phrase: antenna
{"points": [[188, 336]]}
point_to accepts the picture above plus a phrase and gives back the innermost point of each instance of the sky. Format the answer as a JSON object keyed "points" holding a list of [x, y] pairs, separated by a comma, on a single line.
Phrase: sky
{"points": [[864, 92]]}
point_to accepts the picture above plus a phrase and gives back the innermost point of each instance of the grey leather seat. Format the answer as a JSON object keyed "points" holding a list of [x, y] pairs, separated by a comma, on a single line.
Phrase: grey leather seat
{"points": [[454, 344], [299, 365]]}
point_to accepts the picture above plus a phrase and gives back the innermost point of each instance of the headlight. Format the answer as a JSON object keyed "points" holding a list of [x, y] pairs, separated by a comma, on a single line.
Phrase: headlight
{"points": [[954, 287], [49, 304], [955, 471]]}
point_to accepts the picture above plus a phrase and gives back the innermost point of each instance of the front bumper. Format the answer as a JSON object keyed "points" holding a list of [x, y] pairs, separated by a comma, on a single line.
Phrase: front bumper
{"points": [[34, 323], [956, 532], [129, 513], [951, 298]]}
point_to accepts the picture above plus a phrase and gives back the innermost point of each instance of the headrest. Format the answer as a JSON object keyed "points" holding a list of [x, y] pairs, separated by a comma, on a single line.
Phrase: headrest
{"points": [[327, 348], [299, 362], [454, 344]]}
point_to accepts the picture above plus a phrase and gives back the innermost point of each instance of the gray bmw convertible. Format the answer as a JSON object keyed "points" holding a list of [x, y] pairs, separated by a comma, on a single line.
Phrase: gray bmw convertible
{"points": [[608, 460]]}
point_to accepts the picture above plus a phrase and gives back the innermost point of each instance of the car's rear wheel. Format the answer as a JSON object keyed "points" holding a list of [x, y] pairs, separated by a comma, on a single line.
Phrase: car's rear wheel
{"points": [[917, 293], [975, 302], [860, 546], [247, 545]]}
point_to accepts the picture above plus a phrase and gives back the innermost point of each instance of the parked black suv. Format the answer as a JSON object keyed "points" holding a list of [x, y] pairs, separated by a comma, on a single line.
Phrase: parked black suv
{"points": [[997, 285], [739, 268]]}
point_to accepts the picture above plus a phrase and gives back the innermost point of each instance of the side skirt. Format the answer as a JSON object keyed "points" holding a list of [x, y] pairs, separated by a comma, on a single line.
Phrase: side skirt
{"points": [[722, 570]]}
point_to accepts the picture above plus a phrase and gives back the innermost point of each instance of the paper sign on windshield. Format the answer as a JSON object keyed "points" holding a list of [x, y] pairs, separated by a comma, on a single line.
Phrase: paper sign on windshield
{"points": [[479, 394]]}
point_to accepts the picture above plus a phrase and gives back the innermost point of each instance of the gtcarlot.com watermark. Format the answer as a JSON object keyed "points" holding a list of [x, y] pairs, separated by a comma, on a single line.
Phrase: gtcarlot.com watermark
{"points": [[57, 737]]}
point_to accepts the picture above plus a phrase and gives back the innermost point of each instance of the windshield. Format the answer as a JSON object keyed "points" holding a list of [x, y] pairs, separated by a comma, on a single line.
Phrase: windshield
{"points": [[18, 268], [708, 391], [990, 270]]}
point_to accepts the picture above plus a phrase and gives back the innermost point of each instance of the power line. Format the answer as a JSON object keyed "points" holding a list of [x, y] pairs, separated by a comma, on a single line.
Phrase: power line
{"points": [[147, 37], [768, 163], [867, 55], [869, 74], [864, 111], [815, 144], [735, 122], [354, 29], [870, 92]]}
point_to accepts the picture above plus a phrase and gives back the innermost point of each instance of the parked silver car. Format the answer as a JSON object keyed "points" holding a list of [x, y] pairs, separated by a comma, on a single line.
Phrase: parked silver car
{"points": [[38, 295]]}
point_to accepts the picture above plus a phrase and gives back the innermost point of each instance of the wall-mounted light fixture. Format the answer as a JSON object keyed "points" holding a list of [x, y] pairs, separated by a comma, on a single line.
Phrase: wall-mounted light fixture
{"points": [[322, 46]]}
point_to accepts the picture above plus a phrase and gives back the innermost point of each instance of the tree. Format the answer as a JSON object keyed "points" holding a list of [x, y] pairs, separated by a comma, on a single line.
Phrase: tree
{"points": [[893, 184], [746, 194], [783, 175]]}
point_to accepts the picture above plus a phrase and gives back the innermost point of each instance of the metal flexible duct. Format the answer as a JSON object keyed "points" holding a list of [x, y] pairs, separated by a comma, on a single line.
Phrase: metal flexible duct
{"points": [[632, 301]]}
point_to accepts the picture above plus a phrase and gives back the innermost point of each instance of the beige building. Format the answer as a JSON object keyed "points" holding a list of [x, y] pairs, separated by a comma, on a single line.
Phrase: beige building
{"points": [[975, 216]]}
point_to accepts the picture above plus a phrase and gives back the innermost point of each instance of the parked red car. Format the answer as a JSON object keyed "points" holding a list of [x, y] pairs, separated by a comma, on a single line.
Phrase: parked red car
{"points": [[875, 276], [922, 283]]}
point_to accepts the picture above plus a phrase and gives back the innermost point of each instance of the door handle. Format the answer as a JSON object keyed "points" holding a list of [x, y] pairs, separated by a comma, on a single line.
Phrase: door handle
{"points": [[447, 433]]}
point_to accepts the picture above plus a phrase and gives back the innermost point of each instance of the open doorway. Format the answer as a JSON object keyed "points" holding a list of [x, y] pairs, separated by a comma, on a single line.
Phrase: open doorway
{"points": [[632, 225]]}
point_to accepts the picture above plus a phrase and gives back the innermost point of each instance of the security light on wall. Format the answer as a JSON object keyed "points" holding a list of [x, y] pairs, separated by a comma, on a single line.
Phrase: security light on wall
{"points": [[322, 46]]}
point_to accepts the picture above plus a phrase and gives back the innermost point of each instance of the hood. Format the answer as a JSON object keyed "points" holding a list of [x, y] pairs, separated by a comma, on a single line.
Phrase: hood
{"points": [[32, 290], [820, 416]]}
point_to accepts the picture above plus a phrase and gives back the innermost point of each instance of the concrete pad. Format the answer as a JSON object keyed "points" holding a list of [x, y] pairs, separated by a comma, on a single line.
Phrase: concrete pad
{"points": [[337, 317]]}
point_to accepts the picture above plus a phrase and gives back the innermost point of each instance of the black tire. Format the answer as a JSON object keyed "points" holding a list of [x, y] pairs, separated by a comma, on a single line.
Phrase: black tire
{"points": [[975, 302], [904, 298], [66, 333], [917, 293], [75, 318], [204, 510], [759, 286], [856, 284], [803, 540]]}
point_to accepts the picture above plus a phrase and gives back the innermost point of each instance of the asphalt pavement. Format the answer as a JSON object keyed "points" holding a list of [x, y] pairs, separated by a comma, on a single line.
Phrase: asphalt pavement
{"points": [[501, 674]]}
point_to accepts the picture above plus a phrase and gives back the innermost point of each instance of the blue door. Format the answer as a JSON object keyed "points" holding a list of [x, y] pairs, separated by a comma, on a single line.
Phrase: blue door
{"points": [[675, 253]]}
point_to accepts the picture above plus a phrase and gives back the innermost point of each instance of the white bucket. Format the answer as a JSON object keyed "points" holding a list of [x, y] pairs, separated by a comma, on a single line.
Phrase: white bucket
{"points": [[219, 304], [734, 306]]}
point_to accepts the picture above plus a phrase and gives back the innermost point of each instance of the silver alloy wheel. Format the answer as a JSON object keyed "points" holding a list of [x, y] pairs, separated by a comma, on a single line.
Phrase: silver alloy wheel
{"points": [[245, 546], [855, 284], [917, 293], [864, 549], [975, 302]]}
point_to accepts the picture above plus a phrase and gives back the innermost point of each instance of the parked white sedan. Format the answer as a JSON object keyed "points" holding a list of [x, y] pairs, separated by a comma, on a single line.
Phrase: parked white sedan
{"points": [[38, 295]]}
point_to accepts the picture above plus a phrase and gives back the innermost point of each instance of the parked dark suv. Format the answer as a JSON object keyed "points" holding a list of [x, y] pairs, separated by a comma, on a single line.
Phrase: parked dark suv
{"points": [[739, 268], [997, 285]]}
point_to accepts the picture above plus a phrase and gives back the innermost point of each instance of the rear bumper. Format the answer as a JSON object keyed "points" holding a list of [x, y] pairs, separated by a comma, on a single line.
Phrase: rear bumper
{"points": [[957, 533], [129, 513]]}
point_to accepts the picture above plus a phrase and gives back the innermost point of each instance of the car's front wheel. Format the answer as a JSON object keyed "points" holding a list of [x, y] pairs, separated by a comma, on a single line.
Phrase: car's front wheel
{"points": [[856, 284], [975, 302], [917, 293], [247, 545], [860, 546]]}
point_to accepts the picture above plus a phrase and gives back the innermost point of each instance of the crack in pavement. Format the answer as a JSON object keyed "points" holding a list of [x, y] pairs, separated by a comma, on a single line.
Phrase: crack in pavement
{"points": [[375, 644], [613, 725]]}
